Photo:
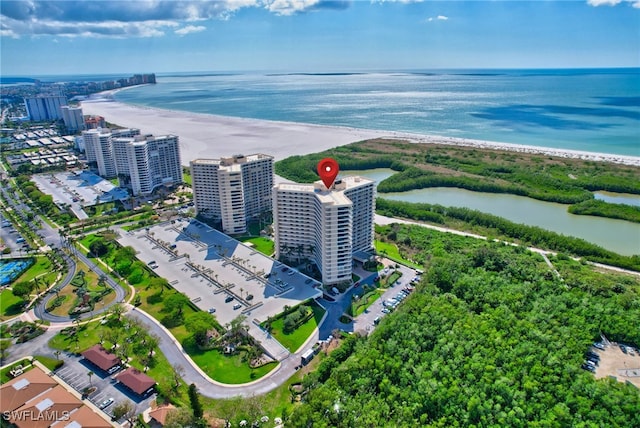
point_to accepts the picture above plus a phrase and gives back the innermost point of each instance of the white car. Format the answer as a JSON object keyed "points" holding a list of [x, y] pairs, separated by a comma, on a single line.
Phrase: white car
{"points": [[106, 403]]}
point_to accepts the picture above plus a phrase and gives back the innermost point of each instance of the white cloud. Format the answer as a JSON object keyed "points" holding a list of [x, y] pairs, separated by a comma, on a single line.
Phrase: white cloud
{"points": [[289, 7], [190, 29], [597, 3], [438, 18], [134, 18]]}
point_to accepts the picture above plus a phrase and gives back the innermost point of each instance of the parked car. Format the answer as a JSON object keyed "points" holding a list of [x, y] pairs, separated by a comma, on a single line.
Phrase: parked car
{"points": [[228, 299], [106, 403], [237, 306], [212, 310]]}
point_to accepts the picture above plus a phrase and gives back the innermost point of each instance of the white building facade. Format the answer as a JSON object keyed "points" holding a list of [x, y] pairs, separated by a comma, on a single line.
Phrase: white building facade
{"points": [[141, 163], [73, 118], [45, 108], [233, 190], [325, 226]]}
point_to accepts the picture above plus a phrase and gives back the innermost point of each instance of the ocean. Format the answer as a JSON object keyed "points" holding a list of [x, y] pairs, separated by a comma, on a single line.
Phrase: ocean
{"points": [[595, 110]]}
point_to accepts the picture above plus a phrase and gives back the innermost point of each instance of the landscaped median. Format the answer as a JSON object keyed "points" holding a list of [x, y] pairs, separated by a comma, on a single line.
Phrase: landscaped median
{"points": [[293, 327], [360, 303]]}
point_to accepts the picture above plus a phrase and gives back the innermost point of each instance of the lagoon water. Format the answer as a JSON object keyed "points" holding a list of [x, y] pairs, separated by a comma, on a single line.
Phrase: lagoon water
{"points": [[620, 236], [587, 109]]}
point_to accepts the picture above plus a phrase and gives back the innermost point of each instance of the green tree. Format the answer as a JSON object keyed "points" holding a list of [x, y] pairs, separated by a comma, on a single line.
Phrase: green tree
{"points": [[99, 247], [196, 406], [175, 303], [22, 289], [199, 324]]}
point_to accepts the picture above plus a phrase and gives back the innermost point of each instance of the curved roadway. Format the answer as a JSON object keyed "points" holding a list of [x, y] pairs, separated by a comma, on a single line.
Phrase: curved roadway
{"points": [[42, 313]]}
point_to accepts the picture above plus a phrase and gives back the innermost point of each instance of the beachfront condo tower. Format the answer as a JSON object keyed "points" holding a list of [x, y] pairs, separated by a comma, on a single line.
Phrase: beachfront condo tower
{"points": [[233, 191], [45, 108], [328, 227], [141, 163], [73, 118]]}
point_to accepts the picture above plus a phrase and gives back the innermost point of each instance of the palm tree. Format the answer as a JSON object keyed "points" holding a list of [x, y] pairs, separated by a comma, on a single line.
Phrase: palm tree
{"points": [[57, 354], [90, 373]]}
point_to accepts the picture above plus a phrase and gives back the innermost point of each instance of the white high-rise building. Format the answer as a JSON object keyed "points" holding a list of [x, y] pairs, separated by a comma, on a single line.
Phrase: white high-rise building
{"points": [[327, 227], [45, 108], [98, 148], [233, 190], [141, 163], [73, 118]]}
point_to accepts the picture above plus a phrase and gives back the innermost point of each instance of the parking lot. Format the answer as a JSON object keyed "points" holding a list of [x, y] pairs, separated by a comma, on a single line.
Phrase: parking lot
{"points": [[366, 322], [219, 273], [11, 237], [78, 189], [75, 373]]}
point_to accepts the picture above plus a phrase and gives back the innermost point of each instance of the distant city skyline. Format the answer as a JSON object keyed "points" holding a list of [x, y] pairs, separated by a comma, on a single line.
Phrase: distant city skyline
{"points": [[104, 37]]}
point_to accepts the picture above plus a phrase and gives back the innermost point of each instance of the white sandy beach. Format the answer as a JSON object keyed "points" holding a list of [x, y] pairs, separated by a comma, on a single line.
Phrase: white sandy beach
{"points": [[213, 136]]}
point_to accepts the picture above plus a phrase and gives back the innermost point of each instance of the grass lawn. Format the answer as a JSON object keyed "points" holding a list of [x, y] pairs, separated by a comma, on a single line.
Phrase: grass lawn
{"points": [[262, 244], [296, 339], [97, 210], [391, 251], [88, 336], [48, 362], [186, 176], [41, 269], [4, 373], [274, 404], [359, 306], [10, 305], [227, 369], [68, 292]]}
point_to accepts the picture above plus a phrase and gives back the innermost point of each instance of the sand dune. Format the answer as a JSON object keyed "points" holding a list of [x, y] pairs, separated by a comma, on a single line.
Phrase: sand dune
{"points": [[213, 136]]}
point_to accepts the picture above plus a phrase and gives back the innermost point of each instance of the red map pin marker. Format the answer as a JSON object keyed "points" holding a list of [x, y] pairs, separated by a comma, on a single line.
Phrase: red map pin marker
{"points": [[328, 171]]}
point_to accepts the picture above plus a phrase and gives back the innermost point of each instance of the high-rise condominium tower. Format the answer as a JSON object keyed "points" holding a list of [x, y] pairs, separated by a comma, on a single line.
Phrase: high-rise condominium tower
{"points": [[141, 163], [325, 226], [233, 190]]}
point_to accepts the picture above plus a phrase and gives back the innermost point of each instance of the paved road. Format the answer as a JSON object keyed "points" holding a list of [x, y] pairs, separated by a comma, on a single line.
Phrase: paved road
{"points": [[40, 311], [208, 387]]}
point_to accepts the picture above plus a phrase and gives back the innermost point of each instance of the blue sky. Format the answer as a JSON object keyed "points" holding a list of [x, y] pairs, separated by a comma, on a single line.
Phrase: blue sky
{"points": [[86, 37]]}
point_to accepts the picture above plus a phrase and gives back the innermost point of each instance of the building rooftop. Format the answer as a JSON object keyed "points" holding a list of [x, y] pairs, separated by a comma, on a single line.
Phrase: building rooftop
{"points": [[100, 357], [135, 380], [46, 408], [334, 196], [18, 391], [160, 413], [82, 417]]}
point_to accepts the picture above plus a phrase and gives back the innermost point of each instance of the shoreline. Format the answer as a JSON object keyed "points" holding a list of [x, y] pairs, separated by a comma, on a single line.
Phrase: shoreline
{"points": [[204, 135]]}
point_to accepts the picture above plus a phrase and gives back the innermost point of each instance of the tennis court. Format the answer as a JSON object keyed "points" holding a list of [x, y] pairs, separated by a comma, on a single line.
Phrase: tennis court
{"points": [[11, 269]]}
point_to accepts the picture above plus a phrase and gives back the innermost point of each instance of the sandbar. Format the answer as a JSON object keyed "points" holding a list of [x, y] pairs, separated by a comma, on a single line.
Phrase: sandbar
{"points": [[214, 136]]}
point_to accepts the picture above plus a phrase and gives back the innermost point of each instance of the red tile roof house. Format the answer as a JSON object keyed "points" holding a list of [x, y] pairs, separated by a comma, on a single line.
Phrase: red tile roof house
{"points": [[98, 356], [136, 381]]}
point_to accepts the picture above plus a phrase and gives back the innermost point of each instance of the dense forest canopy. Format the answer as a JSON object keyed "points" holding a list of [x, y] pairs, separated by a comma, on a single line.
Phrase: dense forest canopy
{"points": [[491, 337]]}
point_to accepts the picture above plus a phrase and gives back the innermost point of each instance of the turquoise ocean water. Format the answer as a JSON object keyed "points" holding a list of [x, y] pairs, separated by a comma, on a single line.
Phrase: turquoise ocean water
{"points": [[594, 110]]}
